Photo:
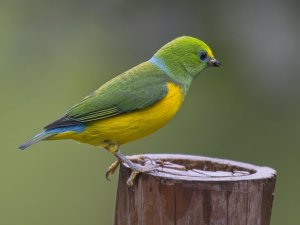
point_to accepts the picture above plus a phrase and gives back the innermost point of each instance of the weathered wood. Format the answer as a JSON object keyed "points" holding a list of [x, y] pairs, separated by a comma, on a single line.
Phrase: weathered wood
{"points": [[194, 190]]}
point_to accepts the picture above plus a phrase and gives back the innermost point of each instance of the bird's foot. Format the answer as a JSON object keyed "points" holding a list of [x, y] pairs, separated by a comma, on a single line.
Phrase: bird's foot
{"points": [[136, 169], [112, 169], [148, 165]]}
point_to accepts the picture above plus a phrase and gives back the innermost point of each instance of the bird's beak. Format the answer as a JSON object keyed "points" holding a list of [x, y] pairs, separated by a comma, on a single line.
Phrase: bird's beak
{"points": [[213, 62]]}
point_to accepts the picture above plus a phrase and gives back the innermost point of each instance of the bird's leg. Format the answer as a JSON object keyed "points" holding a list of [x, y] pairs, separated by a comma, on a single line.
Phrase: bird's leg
{"points": [[111, 147], [136, 168]]}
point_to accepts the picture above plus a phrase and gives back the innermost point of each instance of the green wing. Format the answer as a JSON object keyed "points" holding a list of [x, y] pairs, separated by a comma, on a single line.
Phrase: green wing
{"points": [[135, 89]]}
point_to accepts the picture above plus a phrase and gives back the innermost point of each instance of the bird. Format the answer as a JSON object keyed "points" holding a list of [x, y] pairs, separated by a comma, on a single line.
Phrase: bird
{"points": [[135, 103]]}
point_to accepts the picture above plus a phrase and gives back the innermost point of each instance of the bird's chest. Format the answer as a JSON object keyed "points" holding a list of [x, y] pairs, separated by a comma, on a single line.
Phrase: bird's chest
{"points": [[130, 126]]}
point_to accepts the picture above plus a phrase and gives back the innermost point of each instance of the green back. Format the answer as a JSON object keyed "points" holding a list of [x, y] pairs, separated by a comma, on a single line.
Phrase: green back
{"points": [[135, 89]]}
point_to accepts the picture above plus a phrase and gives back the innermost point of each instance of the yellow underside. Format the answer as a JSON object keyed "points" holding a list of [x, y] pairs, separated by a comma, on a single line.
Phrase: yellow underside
{"points": [[130, 126]]}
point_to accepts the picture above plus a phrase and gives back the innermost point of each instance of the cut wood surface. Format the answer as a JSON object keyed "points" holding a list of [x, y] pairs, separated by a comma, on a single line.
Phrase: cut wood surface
{"points": [[194, 190]]}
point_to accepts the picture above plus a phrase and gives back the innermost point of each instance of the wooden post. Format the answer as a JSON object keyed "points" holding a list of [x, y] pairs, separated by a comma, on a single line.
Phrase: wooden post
{"points": [[194, 190]]}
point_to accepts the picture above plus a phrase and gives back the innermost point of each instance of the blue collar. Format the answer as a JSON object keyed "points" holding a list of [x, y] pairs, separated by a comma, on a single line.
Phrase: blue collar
{"points": [[160, 64]]}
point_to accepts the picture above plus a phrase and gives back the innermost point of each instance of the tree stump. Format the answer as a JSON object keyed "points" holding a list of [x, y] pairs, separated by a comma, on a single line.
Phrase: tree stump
{"points": [[194, 190]]}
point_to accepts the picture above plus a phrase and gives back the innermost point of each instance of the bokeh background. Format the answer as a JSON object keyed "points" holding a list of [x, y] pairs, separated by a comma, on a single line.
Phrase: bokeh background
{"points": [[53, 53]]}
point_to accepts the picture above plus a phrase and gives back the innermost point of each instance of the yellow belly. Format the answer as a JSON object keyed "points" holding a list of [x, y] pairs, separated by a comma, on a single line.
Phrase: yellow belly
{"points": [[131, 126]]}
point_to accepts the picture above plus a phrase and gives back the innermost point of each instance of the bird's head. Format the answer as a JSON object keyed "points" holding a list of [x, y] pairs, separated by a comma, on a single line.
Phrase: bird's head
{"points": [[185, 57]]}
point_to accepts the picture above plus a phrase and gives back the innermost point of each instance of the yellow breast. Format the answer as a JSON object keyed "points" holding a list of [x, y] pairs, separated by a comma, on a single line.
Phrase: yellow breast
{"points": [[134, 125]]}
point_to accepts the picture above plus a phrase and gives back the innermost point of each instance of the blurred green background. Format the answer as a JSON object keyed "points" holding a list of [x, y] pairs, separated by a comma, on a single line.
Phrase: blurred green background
{"points": [[53, 53]]}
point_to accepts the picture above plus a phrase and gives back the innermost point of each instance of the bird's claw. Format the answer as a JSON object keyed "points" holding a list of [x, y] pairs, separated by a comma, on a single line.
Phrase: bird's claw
{"points": [[112, 169], [148, 165], [137, 169]]}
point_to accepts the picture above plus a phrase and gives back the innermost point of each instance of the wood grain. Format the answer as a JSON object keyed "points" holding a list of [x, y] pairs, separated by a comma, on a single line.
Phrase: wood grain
{"points": [[194, 190]]}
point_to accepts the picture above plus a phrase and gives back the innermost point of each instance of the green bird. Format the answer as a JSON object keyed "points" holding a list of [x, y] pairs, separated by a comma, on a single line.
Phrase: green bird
{"points": [[135, 103]]}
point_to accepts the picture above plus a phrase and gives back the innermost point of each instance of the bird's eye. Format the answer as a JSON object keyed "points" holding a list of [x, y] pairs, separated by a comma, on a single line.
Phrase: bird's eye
{"points": [[203, 56]]}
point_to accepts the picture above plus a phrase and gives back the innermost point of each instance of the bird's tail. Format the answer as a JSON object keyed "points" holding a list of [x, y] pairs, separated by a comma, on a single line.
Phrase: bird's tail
{"points": [[37, 138]]}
